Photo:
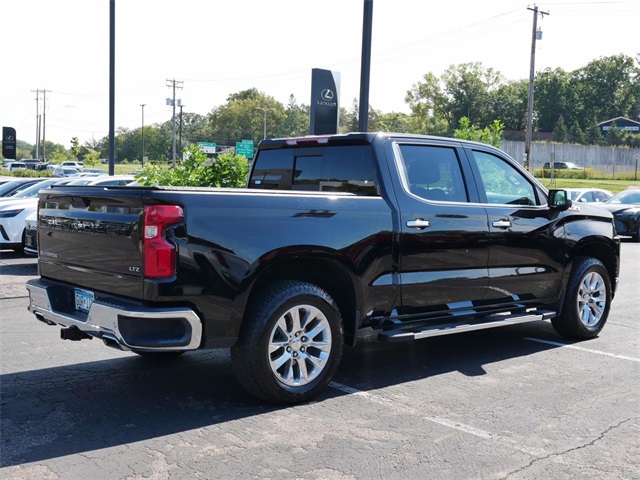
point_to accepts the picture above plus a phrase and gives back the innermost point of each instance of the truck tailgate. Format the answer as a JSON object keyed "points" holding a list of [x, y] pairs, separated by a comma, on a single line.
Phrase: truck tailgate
{"points": [[90, 236]]}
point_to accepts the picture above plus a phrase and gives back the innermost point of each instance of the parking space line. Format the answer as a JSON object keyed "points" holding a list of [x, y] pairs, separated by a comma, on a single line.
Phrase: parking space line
{"points": [[574, 347], [405, 409]]}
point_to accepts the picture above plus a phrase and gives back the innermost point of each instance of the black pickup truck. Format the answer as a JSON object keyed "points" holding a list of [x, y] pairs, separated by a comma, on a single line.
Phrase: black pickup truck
{"points": [[413, 236]]}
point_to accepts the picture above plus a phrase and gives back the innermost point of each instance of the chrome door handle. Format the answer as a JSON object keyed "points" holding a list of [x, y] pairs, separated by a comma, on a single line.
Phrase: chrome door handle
{"points": [[502, 224], [418, 223]]}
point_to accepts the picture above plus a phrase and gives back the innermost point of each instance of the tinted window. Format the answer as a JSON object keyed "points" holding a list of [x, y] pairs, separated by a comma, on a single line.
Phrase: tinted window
{"points": [[501, 183], [433, 173], [328, 169], [273, 170]]}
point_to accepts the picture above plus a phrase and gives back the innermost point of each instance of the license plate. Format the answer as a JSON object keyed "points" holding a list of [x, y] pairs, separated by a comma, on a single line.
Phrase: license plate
{"points": [[84, 299]]}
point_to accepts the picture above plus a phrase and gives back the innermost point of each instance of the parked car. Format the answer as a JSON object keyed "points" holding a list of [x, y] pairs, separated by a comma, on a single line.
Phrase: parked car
{"points": [[31, 234], [78, 165], [16, 185], [62, 171], [562, 166], [31, 163], [99, 171], [104, 180], [13, 166], [410, 235], [15, 210], [589, 195], [625, 207]]}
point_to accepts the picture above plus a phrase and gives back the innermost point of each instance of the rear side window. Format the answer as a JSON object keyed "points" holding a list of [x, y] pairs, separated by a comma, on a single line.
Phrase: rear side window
{"points": [[328, 169]]}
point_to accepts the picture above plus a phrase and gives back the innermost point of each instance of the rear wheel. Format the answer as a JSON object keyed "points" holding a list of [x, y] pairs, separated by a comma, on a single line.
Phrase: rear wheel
{"points": [[290, 344], [587, 301]]}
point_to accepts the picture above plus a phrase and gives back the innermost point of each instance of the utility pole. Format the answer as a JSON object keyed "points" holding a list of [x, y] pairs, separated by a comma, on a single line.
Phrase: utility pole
{"points": [[173, 83], [112, 87], [37, 92], [181, 128], [534, 36], [365, 67], [44, 123], [264, 129], [142, 157]]}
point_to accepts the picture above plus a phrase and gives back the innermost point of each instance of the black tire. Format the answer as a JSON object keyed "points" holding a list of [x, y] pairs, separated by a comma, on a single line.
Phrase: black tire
{"points": [[587, 300], [20, 249], [290, 343], [159, 355]]}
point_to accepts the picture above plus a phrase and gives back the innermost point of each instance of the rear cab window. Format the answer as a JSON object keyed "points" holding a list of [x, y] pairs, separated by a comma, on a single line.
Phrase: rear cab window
{"points": [[336, 168]]}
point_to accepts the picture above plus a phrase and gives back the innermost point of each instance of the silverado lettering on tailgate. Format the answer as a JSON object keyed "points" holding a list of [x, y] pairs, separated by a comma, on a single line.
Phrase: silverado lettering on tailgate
{"points": [[87, 226]]}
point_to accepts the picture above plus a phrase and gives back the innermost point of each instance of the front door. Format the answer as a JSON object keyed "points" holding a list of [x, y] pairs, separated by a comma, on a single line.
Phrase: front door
{"points": [[444, 234], [526, 258]]}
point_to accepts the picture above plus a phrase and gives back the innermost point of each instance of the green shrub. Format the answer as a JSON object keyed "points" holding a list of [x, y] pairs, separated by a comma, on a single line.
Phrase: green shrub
{"points": [[227, 170], [28, 173]]}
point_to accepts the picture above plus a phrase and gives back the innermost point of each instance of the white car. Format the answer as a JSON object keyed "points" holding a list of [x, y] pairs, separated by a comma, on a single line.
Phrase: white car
{"points": [[12, 217], [104, 180], [62, 171], [78, 165], [589, 195], [14, 212], [31, 234]]}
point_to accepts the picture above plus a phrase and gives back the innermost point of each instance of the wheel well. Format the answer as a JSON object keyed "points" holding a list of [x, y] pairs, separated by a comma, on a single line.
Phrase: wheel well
{"points": [[602, 253], [330, 276]]}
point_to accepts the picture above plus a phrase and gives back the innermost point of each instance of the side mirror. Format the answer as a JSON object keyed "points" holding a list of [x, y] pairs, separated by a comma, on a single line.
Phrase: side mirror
{"points": [[559, 199]]}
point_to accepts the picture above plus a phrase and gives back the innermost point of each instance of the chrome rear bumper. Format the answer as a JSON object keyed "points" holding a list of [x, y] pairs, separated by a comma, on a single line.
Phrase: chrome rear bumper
{"points": [[120, 323]]}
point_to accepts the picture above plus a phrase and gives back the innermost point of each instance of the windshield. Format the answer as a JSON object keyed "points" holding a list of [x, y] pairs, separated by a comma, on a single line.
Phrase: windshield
{"points": [[33, 190], [628, 196], [11, 186]]}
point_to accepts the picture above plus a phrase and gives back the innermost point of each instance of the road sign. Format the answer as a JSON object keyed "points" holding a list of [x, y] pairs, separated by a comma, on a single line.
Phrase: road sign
{"points": [[207, 147], [245, 147]]}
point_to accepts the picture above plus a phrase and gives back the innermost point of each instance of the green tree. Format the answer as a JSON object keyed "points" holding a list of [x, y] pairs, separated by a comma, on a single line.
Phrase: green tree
{"points": [[430, 105], [614, 136], [575, 134], [242, 117], [594, 137], [560, 133], [75, 147], [491, 135], [508, 102], [296, 121], [551, 98], [464, 90], [609, 87]]}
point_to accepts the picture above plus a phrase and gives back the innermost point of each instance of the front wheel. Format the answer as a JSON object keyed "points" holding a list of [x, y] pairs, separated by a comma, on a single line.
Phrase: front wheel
{"points": [[587, 301], [290, 343]]}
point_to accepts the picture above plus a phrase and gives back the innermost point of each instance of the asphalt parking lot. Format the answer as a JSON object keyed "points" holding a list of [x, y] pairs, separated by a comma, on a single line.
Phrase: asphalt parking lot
{"points": [[510, 403]]}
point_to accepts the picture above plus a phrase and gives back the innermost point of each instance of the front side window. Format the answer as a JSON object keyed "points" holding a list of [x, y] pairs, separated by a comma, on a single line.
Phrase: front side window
{"points": [[501, 183], [433, 173]]}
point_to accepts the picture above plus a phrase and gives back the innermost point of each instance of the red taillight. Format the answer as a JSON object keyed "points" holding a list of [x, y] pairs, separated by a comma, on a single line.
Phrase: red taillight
{"points": [[159, 254]]}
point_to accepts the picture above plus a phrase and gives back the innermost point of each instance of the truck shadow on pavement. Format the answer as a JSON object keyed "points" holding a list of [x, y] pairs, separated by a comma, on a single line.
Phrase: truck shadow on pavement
{"points": [[54, 412]]}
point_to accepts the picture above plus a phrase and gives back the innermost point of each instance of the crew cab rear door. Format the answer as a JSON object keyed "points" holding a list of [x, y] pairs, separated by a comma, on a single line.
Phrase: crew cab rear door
{"points": [[526, 259], [444, 237]]}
